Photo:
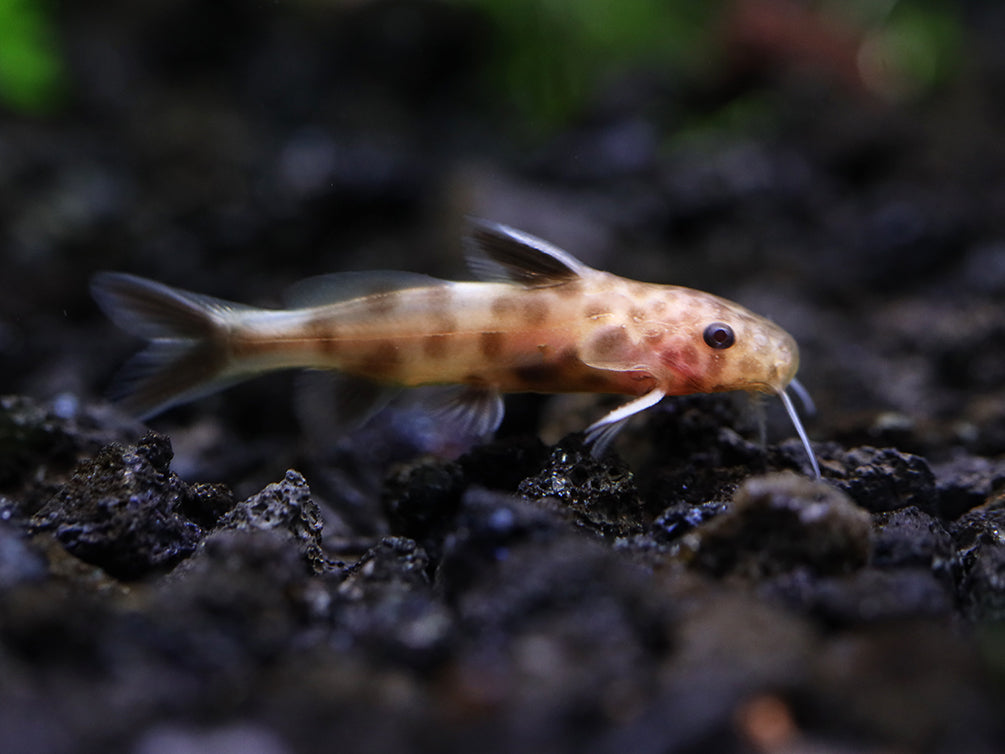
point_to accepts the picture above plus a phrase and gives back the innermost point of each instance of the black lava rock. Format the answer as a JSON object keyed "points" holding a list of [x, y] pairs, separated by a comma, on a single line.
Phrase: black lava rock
{"points": [[598, 493], [884, 479], [286, 506], [979, 562], [122, 511], [779, 523]]}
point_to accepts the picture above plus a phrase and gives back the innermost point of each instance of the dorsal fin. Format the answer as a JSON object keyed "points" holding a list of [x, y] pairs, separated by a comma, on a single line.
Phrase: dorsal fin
{"points": [[500, 253], [321, 290]]}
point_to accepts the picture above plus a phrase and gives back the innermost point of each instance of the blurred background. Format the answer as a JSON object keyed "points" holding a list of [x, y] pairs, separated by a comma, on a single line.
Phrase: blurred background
{"points": [[835, 165]]}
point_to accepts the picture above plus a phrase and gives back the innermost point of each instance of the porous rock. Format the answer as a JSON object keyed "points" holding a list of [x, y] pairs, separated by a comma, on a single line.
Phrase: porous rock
{"points": [[123, 510], [40, 444], [966, 482], [599, 494], [782, 522], [386, 605], [286, 506], [910, 537], [979, 563], [884, 479]]}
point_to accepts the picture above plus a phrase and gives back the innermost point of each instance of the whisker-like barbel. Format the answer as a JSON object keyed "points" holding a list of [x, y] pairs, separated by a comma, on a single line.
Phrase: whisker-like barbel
{"points": [[804, 396], [539, 320], [787, 402]]}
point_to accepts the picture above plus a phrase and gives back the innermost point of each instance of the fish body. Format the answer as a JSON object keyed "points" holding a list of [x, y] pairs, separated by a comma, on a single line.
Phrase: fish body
{"points": [[479, 334], [538, 321]]}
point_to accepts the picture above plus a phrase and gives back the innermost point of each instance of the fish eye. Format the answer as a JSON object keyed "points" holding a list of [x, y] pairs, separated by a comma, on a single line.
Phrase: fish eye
{"points": [[719, 335]]}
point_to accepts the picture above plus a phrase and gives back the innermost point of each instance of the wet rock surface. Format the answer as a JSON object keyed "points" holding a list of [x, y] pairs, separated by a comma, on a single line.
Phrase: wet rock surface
{"points": [[237, 582], [523, 623], [779, 523], [121, 511]]}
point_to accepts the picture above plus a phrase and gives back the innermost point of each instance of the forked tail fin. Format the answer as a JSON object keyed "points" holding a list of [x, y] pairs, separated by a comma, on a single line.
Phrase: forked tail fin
{"points": [[186, 357]]}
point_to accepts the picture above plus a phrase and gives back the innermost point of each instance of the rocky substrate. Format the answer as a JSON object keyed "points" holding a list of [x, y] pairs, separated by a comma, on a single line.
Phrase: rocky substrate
{"points": [[520, 598]]}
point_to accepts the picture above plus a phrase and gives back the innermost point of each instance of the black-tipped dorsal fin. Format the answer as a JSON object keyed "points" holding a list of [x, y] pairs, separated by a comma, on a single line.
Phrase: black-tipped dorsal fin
{"points": [[500, 253]]}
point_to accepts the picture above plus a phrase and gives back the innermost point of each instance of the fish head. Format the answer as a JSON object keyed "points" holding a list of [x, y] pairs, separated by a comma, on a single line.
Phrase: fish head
{"points": [[714, 345]]}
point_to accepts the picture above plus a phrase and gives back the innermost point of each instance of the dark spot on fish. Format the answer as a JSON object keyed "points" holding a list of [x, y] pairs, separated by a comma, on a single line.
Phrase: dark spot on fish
{"points": [[569, 355], [596, 309], [329, 346], [436, 346], [610, 342], [688, 355], [538, 374], [491, 343], [535, 311], [240, 347], [325, 334], [637, 313], [748, 365], [444, 322], [659, 306], [383, 358]]}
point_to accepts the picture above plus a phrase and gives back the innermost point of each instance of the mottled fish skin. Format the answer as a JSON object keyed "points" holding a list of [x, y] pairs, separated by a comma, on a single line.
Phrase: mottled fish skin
{"points": [[541, 322], [606, 335]]}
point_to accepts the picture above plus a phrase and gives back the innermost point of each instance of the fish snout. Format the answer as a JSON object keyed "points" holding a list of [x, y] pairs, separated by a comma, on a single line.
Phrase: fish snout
{"points": [[786, 360]]}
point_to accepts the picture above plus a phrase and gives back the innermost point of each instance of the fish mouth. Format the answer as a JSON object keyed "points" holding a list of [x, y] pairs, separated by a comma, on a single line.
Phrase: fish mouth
{"points": [[764, 386]]}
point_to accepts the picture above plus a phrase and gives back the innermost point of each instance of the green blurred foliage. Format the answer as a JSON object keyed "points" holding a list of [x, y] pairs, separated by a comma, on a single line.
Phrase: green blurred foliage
{"points": [[921, 41], [31, 68], [551, 54]]}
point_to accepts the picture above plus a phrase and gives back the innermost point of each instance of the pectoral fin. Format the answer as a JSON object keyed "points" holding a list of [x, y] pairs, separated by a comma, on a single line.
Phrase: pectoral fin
{"points": [[611, 348], [601, 432]]}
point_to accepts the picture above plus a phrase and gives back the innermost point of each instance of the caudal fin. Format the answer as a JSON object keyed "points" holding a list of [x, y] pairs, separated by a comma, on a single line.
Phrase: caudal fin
{"points": [[186, 357]]}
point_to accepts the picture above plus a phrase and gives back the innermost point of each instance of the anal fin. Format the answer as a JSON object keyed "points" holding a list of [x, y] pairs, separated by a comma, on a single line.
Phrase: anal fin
{"points": [[330, 404]]}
